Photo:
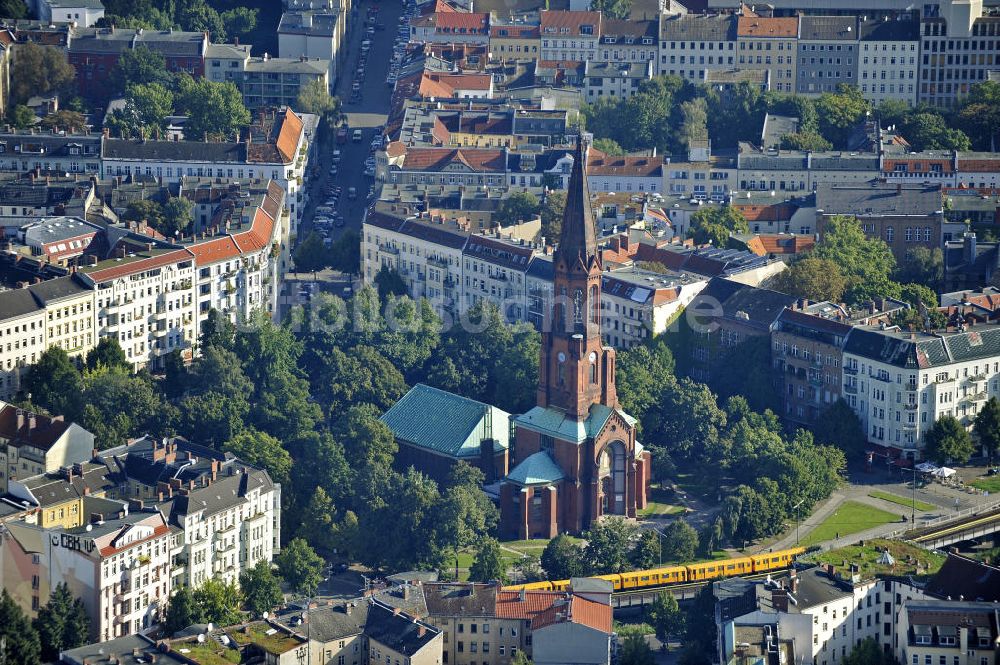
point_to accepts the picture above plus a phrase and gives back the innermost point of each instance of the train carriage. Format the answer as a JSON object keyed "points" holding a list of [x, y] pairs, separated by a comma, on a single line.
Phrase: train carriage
{"points": [[655, 577]]}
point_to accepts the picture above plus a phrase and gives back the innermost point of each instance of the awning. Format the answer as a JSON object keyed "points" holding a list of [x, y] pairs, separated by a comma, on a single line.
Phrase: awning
{"points": [[926, 467], [944, 472]]}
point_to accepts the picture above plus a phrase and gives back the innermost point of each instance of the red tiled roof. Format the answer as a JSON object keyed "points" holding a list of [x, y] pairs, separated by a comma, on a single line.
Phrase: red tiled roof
{"points": [[158, 531], [444, 85], [510, 605], [43, 435], [515, 31], [773, 243], [979, 165], [288, 136], [455, 21], [914, 161], [599, 163], [579, 610], [141, 265], [259, 234], [756, 26], [435, 159], [765, 213], [213, 251], [553, 21]]}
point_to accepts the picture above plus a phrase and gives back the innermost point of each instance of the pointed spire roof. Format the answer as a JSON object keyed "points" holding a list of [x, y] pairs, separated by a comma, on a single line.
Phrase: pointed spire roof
{"points": [[578, 239]]}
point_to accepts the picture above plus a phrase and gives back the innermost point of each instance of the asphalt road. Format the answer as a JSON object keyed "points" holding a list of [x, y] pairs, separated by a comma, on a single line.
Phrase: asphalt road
{"points": [[365, 115]]}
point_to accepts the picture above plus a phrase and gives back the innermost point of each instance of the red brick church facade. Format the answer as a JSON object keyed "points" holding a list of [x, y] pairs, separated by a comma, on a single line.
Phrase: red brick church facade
{"points": [[575, 457]]}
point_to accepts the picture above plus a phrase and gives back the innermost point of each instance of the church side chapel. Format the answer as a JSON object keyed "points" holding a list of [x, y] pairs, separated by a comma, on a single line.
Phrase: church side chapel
{"points": [[574, 457]]}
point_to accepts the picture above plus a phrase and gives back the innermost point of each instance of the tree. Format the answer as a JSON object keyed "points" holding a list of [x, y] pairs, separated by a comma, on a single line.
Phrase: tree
{"points": [[107, 353], [612, 8], [608, 147], [64, 120], [948, 441], [866, 263], [987, 426], [314, 97], [646, 553], [364, 376], [218, 602], [488, 565], [196, 16], [517, 207], [608, 545], [239, 22], [39, 70], [665, 616], [520, 659], [214, 110], [713, 224], [62, 623], [636, 651], [561, 558], [812, 141], [181, 611], [923, 265], [466, 514], [140, 66], [868, 652], [694, 124], [177, 216], [15, 9], [979, 117], [892, 112], [300, 566], [218, 331], [310, 254], [144, 210], [389, 282], [840, 112], [22, 117], [841, 427], [118, 405], [812, 278], [552, 215], [929, 131], [680, 542], [261, 589], [345, 253], [19, 641], [264, 451], [54, 383]]}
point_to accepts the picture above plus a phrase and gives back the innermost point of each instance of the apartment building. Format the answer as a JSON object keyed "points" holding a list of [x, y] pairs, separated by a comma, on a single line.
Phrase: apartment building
{"points": [[827, 53], [451, 166], [904, 216], [514, 40], [451, 27], [799, 171], [32, 444], [264, 82], [900, 383], [30, 150], [570, 35], [314, 35], [94, 53], [959, 46], [690, 46], [124, 529], [84, 13], [769, 44], [628, 41], [889, 59], [703, 176], [619, 80], [934, 631]]}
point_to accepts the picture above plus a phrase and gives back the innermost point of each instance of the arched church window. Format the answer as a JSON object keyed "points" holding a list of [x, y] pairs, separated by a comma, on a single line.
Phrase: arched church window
{"points": [[561, 370], [593, 367]]}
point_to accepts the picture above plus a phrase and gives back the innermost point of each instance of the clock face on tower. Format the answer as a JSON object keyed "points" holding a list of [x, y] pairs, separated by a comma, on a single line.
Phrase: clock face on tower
{"points": [[593, 357]]}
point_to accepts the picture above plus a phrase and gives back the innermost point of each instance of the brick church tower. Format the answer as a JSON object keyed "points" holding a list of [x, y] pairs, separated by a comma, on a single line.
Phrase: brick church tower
{"points": [[575, 456]]}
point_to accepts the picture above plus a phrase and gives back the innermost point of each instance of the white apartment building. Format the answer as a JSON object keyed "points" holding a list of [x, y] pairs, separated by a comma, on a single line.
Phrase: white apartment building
{"points": [[569, 35], [85, 13], [935, 631], [900, 383], [281, 155], [691, 45], [22, 337], [313, 34], [703, 176], [769, 44], [628, 41], [796, 171], [31, 444], [889, 60]]}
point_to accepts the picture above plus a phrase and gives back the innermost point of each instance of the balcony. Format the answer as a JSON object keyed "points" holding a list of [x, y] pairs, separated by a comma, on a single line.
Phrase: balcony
{"points": [[851, 390], [815, 380], [850, 370], [978, 377], [910, 407], [911, 385]]}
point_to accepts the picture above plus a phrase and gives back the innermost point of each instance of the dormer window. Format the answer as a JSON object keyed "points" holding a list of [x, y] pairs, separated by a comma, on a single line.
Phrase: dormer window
{"points": [[586, 29]]}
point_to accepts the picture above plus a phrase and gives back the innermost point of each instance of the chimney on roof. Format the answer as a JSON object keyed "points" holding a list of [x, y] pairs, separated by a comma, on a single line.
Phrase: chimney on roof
{"points": [[421, 630], [395, 611]]}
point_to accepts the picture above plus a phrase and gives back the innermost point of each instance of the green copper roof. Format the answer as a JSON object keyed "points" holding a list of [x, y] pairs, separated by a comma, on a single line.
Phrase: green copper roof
{"points": [[446, 423], [537, 469], [558, 424]]}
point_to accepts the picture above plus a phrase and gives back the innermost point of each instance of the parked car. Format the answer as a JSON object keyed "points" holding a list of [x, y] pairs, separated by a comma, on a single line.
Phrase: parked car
{"points": [[352, 193], [357, 136]]}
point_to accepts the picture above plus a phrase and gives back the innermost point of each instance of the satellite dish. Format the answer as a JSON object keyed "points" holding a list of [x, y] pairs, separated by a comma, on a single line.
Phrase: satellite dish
{"points": [[264, 615], [201, 638]]}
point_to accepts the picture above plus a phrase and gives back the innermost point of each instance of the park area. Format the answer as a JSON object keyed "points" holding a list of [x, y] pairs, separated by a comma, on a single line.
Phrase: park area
{"points": [[922, 506], [907, 559], [849, 517]]}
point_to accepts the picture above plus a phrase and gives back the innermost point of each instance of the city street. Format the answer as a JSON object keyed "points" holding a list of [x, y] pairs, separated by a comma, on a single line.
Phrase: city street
{"points": [[367, 114]]}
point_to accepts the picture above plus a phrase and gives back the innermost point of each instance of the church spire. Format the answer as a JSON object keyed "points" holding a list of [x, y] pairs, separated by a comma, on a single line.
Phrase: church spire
{"points": [[578, 239]]}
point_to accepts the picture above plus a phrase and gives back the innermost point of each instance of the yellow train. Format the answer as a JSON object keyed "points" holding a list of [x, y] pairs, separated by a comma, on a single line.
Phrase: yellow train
{"points": [[693, 572]]}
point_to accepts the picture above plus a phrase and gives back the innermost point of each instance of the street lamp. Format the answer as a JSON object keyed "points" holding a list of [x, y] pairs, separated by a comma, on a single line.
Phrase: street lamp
{"points": [[796, 509], [913, 492]]}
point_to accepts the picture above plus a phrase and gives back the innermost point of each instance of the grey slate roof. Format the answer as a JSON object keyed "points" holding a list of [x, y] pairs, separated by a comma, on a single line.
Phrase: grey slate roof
{"points": [[879, 199], [889, 31], [462, 599], [175, 151], [698, 28], [323, 23], [816, 587], [924, 350], [828, 28], [346, 619], [446, 423], [537, 469], [752, 306], [398, 631], [962, 576], [17, 302]]}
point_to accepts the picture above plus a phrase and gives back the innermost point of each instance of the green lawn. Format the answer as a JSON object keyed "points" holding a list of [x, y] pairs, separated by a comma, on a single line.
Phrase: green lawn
{"points": [[706, 489], [657, 509], [989, 484], [910, 559], [901, 500], [534, 546], [850, 517]]}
